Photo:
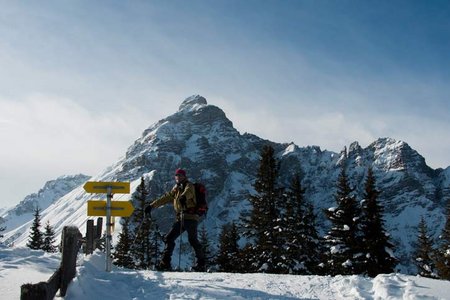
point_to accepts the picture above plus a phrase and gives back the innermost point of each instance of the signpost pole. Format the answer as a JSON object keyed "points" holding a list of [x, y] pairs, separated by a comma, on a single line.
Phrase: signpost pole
{"points": [[108, 229]]}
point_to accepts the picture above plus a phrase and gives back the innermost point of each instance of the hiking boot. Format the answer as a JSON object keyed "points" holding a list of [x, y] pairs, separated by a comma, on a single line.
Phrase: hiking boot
{"points": [[163, 266]]}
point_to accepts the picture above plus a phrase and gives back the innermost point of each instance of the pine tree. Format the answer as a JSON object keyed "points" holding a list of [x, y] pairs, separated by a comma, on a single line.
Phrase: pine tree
{"points": [[443, 253], [49, 239], [247, 259], [156, 239], [313, 248], [36, 239], [301, 241], [262, 227], [122, 255], [424, 252], [343, 242], [293, 228], [228, 258], [205, 242], [143, 248], [377, 247]]}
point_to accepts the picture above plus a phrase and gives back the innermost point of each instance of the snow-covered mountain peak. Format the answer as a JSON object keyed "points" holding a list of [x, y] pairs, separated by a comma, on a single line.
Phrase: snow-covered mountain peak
{"points": [[354, 147], [188, 132], [192, 103], [389, 144], [200, 138], [395, 155]]}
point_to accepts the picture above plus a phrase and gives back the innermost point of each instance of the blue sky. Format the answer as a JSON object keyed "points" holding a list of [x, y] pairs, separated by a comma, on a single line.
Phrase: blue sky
{"points": [[80, 80]]}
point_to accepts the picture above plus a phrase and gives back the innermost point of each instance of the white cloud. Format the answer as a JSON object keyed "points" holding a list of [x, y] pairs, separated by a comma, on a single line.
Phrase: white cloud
{"points": [[44, 137]]}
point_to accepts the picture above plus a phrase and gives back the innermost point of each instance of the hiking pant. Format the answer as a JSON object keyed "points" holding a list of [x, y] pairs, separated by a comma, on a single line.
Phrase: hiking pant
{"points": [[191, 227]]}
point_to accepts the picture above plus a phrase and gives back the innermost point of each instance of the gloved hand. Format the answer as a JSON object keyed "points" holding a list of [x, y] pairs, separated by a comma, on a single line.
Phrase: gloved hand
{"points": [[183, 201], [148, 210]]}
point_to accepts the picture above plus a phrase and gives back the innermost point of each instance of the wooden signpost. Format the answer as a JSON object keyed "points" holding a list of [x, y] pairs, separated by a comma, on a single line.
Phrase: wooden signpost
{"points": [[108, 208]]}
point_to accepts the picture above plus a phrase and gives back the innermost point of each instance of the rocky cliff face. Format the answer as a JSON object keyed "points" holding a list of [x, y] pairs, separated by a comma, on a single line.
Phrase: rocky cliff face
{"points": [[200, 138]]}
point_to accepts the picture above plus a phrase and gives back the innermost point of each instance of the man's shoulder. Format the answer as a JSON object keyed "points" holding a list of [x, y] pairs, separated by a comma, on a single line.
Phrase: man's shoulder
{"points": [[189, 186]]}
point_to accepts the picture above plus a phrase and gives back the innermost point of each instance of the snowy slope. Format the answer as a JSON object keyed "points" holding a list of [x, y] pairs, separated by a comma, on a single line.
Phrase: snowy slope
{"points": [[17, 219], [200, 138], [22, 265]]}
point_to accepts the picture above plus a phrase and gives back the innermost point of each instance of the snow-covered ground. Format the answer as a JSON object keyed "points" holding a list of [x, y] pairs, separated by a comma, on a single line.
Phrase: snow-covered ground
{"points": [[21, 265]]}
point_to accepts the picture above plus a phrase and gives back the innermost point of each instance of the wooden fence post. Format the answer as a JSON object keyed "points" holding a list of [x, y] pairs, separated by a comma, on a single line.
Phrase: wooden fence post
{"points": [[71, 237], [99, 228], [90, 236], [98, 241]]}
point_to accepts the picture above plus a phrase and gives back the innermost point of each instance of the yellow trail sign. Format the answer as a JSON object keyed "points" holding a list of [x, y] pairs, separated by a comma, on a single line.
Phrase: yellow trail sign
{"points": [[102, 187], [118, 208]]}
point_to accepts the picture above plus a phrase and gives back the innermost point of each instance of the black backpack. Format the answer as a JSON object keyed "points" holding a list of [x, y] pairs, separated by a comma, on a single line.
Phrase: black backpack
{"points": [[200, 197]]}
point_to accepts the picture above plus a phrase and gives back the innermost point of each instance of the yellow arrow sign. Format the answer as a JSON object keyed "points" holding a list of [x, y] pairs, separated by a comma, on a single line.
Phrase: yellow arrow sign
{"points": [[102, 187], [118, 208]]}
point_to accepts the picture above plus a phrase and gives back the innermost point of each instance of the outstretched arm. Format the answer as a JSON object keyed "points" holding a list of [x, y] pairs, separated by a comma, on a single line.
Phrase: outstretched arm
{"points": [[163, 200]]}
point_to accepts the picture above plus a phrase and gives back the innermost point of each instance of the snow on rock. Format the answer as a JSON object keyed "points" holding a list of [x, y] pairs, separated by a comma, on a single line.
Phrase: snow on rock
{"points": [[289, 149], [200, 138], [193, 103]]}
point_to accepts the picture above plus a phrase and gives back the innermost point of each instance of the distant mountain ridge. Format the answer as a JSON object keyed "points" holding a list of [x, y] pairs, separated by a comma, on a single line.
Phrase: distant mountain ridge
{"points": [[51, 191], [200, 138], [48, 194]]}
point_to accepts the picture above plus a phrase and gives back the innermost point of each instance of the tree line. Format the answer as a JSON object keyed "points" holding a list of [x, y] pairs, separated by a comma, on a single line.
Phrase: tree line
{"points": [[282, 237], [41, 240], [279, 234]]}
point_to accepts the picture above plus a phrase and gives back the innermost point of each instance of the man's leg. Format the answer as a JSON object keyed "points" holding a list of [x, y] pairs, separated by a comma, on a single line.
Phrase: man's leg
{"points": [[169, 240], [191, 228]]}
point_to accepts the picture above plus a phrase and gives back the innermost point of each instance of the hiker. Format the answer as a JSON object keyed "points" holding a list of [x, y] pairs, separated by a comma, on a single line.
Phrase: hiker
{"points": [[182, 196]]}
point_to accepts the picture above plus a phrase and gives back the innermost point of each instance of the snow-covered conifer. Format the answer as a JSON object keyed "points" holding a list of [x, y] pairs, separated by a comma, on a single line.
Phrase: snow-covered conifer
{"points": [[375, 239], [36, 238], [443, 252], [424, 257], [262, 226], [228, 258], [49, 239], [342, 240]]}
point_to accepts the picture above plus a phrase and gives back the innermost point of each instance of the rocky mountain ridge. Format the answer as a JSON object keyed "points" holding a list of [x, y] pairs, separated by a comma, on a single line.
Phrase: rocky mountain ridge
{"points": [[52, 190], [200, 138]]}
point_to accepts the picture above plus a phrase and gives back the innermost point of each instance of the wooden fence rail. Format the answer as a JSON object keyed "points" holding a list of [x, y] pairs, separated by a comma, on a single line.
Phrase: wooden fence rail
{"points": [[60, 280]]}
